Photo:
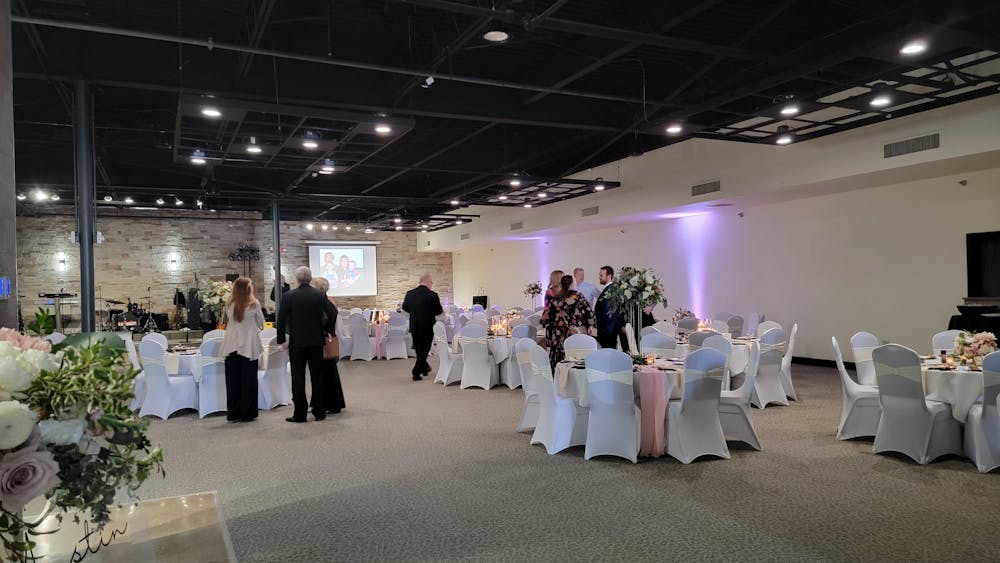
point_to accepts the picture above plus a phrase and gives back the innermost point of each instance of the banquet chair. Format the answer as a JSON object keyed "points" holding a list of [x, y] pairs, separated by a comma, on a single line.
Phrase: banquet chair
{"points": [[451, 309], [665, 327], [697, 338], [786, 366], [722, 327], [343, 328], [479, 315], [862, 344], [477, 309], [861, 410], [217, 333], [735, 324], [524, 331], [630, 337], [358, 311], [529, 383], [767, 388], [463, 319], [155, 337], [613, 424], [267, 334], [494, 311], [944, 340], [362, 345], [750, 324], [274, 385], [57, 337], [478, 370], [478, 322], [164, 395], [539, 309], [579, 346], [660, 313], [694, 428], [449, 331], [910, 424], [687, 324], [660, 345], [133, 356], [562, 422], [766, 326], [982, 425], [449, 363], [734, 406], [394, 342], [720, 343], [212, 379], [646, 330]]}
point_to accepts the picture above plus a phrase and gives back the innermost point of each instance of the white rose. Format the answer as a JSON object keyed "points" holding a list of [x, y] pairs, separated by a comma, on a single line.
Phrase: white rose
{"points": [[634, 281], [16, 424], [61, 432], [628, 294], [89, 445], [649, 278]]}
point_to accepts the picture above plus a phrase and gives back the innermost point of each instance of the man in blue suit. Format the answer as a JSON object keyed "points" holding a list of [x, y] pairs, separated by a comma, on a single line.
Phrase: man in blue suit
{"points": [[609, 322]]}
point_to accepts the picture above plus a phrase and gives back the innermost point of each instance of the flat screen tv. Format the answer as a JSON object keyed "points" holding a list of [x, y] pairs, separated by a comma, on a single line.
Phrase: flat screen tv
{"points": [[983, 263]]}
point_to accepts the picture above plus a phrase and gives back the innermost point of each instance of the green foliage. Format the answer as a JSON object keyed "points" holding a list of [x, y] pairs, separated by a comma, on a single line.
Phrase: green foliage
{"points": [[43, 325]]}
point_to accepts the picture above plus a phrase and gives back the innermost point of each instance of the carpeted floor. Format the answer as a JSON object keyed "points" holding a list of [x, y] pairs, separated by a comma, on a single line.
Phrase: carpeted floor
{"points": [[414, 472]]}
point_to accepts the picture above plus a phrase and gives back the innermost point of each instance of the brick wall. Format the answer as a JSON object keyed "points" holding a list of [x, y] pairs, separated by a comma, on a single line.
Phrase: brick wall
{"points": [[164, 254]]}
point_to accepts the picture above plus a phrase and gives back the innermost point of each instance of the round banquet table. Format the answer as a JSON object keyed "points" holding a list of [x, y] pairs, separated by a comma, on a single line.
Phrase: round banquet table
{"points": [[960, 389], [738, 361]]}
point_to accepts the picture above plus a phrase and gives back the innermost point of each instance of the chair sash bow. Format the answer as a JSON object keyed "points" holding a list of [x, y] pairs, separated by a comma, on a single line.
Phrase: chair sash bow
{"points": [[624, 377]]}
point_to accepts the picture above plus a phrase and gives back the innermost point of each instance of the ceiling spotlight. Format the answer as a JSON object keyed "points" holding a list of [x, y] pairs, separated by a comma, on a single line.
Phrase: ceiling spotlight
{"points": [[382, 129], [543, 195], [253, 147], [790, 109], [310, 141], [159, 201], [55, 197], [209, 111], [423, 230], [369, 231], [39, 195], [914, 47], [428, 82], [397, 220], [335, 227], [515, 182], [454, 202], [199, 203], [502, 198], [309, 226], [325, 172], [599, 187], [108, 198], [399, 227], [325, 227], [22, 197], [129, 201], [785, 135], [198, 157], [178, 201], [347, 228], [459, 222], [496, 36], [527, 206], [881, 100], [328, 166], [674, 128]]}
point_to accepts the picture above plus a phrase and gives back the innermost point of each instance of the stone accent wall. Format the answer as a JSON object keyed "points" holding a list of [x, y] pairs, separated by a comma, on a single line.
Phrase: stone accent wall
{"points": [[164, 254]]}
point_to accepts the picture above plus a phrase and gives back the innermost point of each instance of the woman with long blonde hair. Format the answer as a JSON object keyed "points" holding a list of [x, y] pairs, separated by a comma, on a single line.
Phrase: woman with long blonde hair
{"points": [[333, 391], [554, 280], [242, 349]]}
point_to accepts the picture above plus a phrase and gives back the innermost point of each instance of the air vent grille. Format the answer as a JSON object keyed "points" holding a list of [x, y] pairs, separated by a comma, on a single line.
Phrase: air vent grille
{"points": [[590, 211], [466, 236], [706, 188], [916, 144], [516, 226]]}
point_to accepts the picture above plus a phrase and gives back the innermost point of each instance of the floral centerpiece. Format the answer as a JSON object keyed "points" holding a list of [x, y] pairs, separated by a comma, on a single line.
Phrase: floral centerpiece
{"points": [[632, 290], [213, 298], [681, 314], [66, 431], [533, 290], [973, 347]]}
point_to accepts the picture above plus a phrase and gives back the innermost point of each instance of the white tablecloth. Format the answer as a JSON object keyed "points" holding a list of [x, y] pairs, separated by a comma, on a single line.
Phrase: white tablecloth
{"points": [[571, 382], [499, 349], [738, 361], [181, 364], [960, 389]]}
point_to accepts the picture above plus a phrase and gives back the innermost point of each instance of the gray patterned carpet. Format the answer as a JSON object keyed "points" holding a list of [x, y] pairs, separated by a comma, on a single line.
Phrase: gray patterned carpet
{"points": [[416, 473]]}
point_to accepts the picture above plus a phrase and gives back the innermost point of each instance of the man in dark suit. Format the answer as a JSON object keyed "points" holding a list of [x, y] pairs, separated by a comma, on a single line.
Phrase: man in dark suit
{"points": [[609, 322], [423, 305], [301, 316]]}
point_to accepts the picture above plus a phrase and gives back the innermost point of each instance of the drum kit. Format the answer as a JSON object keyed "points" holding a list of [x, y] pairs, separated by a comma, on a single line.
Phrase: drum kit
{"points": [[133, 317]]}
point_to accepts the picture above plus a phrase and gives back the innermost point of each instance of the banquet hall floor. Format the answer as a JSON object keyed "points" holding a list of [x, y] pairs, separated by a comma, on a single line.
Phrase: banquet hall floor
{"points": [[414, 472]]}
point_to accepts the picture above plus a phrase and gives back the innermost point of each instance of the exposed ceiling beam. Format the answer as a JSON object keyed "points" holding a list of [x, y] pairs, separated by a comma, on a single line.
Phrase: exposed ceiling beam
{"points": [[260, 13]]}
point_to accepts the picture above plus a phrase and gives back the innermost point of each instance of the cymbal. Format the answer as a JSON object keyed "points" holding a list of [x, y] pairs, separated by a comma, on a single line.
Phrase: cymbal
{"points": [[115, 302]]}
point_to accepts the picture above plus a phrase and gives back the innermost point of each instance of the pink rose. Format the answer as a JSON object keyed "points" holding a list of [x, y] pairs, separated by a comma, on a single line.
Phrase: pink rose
{"points": [[24, 342], [24, 475]]}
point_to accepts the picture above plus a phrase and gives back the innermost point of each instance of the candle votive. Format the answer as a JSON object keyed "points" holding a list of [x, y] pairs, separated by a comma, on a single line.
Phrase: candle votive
{"points": [[650, 358]]}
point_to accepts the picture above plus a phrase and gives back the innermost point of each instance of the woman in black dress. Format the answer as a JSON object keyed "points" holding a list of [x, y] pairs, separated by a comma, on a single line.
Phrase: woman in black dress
{"points": [[334, 399]]}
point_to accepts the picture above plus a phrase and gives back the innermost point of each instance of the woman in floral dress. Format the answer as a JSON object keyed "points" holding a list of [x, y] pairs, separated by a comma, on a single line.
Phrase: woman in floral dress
{"points": [[568, 312]]}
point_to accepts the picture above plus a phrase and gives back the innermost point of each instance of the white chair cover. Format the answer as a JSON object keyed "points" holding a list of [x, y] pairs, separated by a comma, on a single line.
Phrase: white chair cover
{"points": [[394, 342], [658, 344], [524, 331], [982, 425], [133, 356], [646, 330], [734, 406], [274, 384], [665, 327], [695, 339], [362, 345], [766, 326], [660, 313], [449, 364], [217, 333], [561, 421], [722, 327], [720, 343], [579, 346], [358, 311], [862, 344], [786, 366], [767, 388], [630, 337], [164, 395], [921, 429], [944, 340], [211, 378], [861, 409], [614, 421], [156, 337], [529, 383], [687, 324], [693, 426], [735, 324], [477, 368], [343, 328], [57, 337]]}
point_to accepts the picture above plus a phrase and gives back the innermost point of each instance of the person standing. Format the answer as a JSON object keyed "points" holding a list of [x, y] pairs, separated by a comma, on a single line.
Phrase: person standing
{"points": [[586, 289], [423, 305], [301, 317], [553, 289], [242, 348], [333, 390], [285, 288], [609, 322], [567, 313]]}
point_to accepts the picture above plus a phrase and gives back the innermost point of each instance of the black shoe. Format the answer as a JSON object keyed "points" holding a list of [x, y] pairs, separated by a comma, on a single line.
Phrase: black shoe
{"points": [[293, 419], [232, 420], [333, 411], [417, 377], [247, 419], [320, 417]]}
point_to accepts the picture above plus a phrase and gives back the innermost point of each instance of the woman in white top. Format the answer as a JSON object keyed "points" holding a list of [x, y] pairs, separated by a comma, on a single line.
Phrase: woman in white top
{"points": [[242, 349]]}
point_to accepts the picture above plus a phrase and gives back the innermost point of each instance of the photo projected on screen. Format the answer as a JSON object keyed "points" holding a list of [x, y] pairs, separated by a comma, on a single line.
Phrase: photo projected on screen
{"points": [[350, 267]]}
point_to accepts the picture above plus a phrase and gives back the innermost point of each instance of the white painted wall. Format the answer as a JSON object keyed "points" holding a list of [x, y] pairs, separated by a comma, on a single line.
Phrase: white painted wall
{"points": [[888, 259]]}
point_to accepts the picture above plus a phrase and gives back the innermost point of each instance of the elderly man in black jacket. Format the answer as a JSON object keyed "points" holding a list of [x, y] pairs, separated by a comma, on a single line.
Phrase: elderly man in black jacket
{"points": [[423, 305], [301, 315], [609, 323]]}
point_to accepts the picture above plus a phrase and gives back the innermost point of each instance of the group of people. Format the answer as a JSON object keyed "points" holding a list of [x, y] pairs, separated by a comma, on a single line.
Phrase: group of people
{"points": [[340, 275], [575, 306]]}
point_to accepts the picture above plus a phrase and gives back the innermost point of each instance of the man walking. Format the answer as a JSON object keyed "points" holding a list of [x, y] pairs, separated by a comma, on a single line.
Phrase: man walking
{"points": [[587, 289], [301, 316], [609, 322], [423, 305]]}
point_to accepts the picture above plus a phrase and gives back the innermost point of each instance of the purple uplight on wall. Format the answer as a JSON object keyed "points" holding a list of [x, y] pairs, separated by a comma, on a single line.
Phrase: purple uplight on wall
{"points": [[542, 259], [694, 234]]}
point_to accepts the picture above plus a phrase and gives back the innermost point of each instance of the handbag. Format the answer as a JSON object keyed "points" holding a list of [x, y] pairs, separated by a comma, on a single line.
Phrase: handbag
{"points": [[331, 345]]}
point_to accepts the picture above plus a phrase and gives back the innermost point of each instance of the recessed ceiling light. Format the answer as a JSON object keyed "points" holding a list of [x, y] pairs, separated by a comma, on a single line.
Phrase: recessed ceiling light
{"points": [[784, 140], [599, 187], [198, 157], [369, 231], [543, 195], [108, 198], [397, 220], [328, 166], [209, 111], [454, 202], [22, 197], [310, 140], [55, 197], [515, 182], [527, 206], [159, 201], [326, 172], [881, 100], [786, 135], [178, 201], [502, 198], [309, 226], [382, 129], [39, 195], [496, 36], [674, 128], [129, 201], [790, 109], [914, 47], [399, 227], [325, 227], [253, 147], [459, 222]]}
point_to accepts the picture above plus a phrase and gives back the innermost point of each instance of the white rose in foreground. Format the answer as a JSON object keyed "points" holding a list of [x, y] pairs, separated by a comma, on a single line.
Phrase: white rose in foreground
{"points": [[61, 432], [16, 423], [628, 294], [649, 278], [18, 368], [634, 281]]}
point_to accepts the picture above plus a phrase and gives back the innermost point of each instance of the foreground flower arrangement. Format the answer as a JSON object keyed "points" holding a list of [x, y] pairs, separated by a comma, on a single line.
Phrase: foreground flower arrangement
{"points": [[974, 346], [66, 431]]}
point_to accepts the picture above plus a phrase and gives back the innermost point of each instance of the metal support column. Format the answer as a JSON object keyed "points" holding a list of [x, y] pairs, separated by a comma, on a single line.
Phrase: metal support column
{"points": [[83, 140], [9, 310], [276, 223]]}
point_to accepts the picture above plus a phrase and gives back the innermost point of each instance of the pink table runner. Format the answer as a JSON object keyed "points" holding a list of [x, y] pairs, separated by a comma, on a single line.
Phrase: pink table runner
{"points": [[653, 404]]}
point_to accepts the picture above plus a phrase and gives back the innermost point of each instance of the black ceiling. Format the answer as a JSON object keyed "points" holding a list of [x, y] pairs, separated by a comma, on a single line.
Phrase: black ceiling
{"points": [[577, 84]]}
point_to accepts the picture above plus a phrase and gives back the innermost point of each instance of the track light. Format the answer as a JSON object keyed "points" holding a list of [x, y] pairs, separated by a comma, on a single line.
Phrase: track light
{"points": [[39, 195], [178, 201], [785, 135], [502, 198], [397, 220], [454, 202], [54, 197], [369, 231], [496, 36], [459, 222], [198, 157], [108, 198], [399, 227], [309, 226], [914, 47], [328, 167], [129, 201], [674, 128], [22, 197], [423, 230], [543, 195], [881, 96], [199, 203], [253, 147], [382, 129], [159, 201], [310, 140], [600, 185], [347, 228], [515, 182], [210, 111], [428, 82], [790, 109]]}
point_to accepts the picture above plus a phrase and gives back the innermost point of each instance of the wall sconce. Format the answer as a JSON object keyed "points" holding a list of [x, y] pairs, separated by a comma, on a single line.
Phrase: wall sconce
{"points": [[61, 259]]}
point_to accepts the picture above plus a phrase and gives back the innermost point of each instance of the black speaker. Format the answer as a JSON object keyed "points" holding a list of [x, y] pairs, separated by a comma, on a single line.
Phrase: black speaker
{"points": [[194, 309], [232, 277], [479, 300]]}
